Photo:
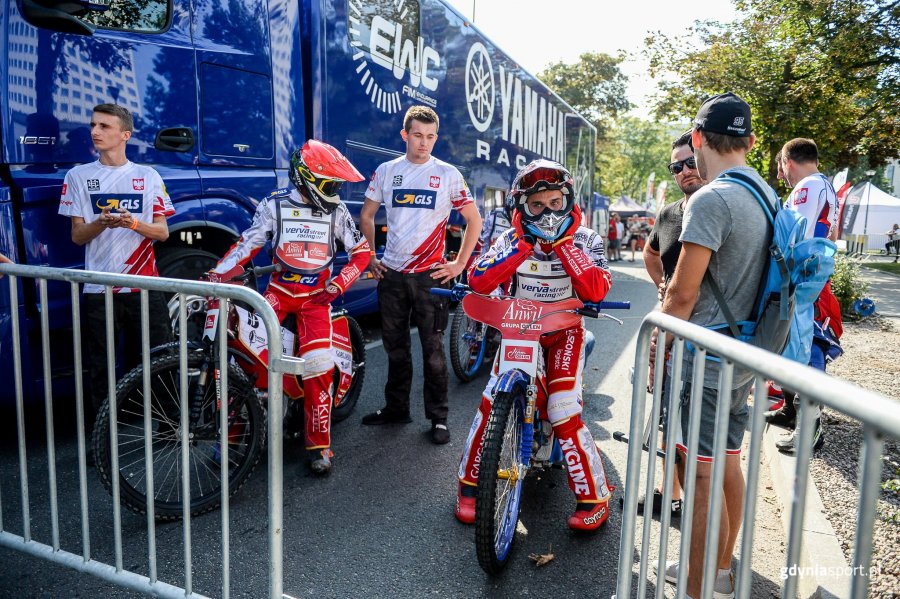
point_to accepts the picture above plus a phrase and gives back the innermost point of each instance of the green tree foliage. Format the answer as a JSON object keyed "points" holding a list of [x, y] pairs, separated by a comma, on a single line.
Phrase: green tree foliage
{"points": [[825, 69], [633, 149], [594, 86]]}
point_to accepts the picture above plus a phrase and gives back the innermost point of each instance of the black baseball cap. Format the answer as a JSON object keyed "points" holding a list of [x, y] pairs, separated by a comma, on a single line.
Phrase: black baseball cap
{"points": [[725, 114]]}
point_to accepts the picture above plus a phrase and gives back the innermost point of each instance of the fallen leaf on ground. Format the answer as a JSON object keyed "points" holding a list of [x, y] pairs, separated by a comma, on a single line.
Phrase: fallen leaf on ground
{"points": [[542, 560]]}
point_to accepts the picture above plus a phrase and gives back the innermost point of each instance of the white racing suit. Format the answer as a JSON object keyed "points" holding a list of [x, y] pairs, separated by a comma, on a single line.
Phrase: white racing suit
{"points": [[575, 267], [304, 241]]}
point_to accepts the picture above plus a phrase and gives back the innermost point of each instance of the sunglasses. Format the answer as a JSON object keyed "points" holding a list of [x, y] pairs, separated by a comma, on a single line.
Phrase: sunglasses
{"points": [[676, 167]]}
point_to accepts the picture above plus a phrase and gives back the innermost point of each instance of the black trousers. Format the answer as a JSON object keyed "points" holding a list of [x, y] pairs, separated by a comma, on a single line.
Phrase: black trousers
{"points": [[126, 331], [404, 298]]}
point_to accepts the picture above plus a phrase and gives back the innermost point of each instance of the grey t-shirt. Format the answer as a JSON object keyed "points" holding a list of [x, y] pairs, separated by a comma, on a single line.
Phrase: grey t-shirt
{"points": [[726, 218]]}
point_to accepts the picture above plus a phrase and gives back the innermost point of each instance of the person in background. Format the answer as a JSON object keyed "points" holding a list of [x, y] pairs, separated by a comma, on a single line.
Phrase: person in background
{"points": [[118, 209], [613, 237], [893, 241], [661, 255], [813, 197], [418, 192]]}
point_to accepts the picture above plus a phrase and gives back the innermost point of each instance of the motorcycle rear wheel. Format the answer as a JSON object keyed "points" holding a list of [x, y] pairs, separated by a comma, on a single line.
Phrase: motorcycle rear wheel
{"points": [[246, 438]]}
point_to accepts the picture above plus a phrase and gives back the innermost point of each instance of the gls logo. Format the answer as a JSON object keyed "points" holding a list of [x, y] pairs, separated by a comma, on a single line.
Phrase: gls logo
{"points": [[414, 198], [133, 202]]}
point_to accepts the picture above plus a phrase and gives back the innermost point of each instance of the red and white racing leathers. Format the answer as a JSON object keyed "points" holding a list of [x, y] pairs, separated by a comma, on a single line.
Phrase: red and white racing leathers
{"points": [[304, 242], [575, 267]]}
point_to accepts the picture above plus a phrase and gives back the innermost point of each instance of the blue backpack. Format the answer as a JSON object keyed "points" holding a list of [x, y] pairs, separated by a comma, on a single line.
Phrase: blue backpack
{"points": [[795, 273]]}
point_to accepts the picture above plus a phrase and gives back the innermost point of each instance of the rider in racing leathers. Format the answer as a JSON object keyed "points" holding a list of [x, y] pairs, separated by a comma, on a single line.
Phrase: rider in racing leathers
{"points": [[304, 224], [547, 256], [495, 223]]}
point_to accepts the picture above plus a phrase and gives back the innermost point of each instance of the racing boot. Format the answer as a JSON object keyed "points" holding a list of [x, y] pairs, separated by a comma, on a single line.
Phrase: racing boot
{"points": [[465, 504], [320, 460], [589, 516], [785, 415]]}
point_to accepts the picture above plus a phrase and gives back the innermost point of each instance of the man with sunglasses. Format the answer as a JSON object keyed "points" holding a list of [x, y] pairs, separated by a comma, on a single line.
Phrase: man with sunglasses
{"points": [[661, 256], [304, 224], [547, 256]]}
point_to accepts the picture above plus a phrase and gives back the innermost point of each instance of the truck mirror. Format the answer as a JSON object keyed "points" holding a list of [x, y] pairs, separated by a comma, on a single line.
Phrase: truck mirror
{"points": [[61, 15]]}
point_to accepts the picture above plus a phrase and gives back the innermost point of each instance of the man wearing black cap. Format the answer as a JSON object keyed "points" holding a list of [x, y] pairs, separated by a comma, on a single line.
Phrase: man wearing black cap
{"points": [[724, 226]]}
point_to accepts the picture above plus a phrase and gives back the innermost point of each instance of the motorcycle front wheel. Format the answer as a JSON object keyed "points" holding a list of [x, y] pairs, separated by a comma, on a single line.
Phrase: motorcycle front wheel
{"points": [[500, 480], [246, 437]]}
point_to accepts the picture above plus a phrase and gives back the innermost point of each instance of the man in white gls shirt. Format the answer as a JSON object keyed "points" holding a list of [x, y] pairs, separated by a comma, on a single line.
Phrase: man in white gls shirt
{"points": [[118, 209], [418, 192]]}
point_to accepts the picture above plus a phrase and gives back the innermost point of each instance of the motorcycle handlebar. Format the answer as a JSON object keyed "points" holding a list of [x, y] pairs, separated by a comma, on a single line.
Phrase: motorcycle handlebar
{"points": [[609, 306], [258, 271]]}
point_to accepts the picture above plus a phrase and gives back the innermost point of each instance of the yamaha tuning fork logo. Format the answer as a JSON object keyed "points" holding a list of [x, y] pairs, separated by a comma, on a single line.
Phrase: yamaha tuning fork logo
{"points": [[480, 87], [391, 57]]}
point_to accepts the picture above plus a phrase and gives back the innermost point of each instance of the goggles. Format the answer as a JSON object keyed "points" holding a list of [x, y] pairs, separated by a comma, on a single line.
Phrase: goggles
{"points": [[548, 178], [676, 167], [327, 187]]}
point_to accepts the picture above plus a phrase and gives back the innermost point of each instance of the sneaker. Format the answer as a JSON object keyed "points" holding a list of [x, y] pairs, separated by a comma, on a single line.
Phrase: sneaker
{"points": [[465, 504], [386, 416], [440, 434], [657, 504], [782, 416], [589, 516], [788, 443], [320, 461], [723, 588], [774, 391]]}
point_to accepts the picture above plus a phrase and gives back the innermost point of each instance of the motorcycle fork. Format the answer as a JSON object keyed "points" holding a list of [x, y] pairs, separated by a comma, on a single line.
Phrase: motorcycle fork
{"points": [[528, 429]]}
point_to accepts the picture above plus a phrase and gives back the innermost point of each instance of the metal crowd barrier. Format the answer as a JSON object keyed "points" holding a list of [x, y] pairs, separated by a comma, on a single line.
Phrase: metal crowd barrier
{"points": [[84, 562], [880, 418]]}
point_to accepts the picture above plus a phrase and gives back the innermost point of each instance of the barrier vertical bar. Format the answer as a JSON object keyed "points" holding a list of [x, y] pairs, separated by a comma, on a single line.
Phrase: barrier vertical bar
{"points": [[224, 408], [633, 468], [672, 413], [148, 436], [109, 313], [79, 422], [20, 407], [652, 442], [803, 435], [716, 482], [690, 469], [869, 479], [48, 406], [185, 457], [744, 576]]}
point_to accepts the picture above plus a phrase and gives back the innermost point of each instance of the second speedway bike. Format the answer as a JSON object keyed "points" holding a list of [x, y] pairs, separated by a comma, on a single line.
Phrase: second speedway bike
{"points": [[246, 405], [518, 437]]}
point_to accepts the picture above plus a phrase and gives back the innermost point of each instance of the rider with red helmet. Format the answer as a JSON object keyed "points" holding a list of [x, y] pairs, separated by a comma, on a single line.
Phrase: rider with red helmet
{"points": [[304, 224], [547, 256]]}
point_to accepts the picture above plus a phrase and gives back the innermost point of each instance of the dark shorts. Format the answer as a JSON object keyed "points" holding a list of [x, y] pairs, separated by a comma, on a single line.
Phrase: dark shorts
{"points": [[613, 244], [738, 416]]}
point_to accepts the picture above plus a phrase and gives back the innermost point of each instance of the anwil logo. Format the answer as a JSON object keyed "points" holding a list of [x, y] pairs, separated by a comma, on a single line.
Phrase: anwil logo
{"points": [[390, 40]]}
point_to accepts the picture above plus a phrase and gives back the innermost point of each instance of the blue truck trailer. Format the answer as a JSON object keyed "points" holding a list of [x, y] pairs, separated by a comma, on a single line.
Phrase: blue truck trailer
{"points": [[222, 92]]}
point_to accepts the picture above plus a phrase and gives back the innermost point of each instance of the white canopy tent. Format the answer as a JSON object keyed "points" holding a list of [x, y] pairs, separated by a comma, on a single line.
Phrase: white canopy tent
{"points": [[870, 211], [626, 207]]}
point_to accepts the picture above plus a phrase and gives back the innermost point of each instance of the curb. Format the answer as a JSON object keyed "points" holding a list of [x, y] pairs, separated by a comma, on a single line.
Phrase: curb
{"points": [[821, 552]]}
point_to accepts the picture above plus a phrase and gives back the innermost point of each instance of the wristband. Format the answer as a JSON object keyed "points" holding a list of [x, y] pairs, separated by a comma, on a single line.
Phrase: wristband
{"points": [[134, 224], [372, 252]]}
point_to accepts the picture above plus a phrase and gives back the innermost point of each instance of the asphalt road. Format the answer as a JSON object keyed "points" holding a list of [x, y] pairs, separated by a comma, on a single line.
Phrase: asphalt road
{"points": [[380, 526]]}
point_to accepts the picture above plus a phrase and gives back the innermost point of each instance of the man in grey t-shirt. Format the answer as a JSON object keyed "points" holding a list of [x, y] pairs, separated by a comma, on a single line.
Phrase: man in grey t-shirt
{"points": [[725, 232]]}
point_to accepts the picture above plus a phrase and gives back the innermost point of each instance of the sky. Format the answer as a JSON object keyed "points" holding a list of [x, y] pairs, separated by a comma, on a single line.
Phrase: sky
{"points": [[538, 32]]}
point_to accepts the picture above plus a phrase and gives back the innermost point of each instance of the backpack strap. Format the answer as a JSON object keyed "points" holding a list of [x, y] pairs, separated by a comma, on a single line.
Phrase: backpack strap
{"points": [[770, 210]]}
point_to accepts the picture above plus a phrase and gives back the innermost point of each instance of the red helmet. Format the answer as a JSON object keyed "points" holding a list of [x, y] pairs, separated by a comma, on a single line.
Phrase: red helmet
{"points": [[321, 170]]}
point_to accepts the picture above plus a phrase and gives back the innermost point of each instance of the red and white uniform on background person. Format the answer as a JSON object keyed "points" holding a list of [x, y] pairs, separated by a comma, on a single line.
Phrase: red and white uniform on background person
{"points": [[576, 269], [418, 199], [814, 198], [304, 241], [89, 188]]}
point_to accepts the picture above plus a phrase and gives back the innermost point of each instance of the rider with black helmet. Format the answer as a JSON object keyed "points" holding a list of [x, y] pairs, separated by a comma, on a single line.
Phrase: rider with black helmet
{"points": [[548, 256], [304, 223]]}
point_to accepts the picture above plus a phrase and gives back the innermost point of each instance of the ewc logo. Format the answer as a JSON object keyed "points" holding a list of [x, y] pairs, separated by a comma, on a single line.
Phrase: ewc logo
{"points": [[392, 58], [133, 202], [414, 198]]}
